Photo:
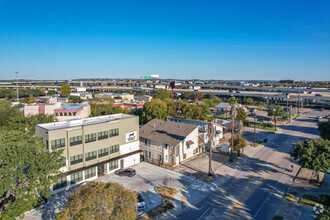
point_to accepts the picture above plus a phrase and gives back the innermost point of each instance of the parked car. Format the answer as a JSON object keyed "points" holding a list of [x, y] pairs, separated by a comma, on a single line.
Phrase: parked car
{"points": [[126, 172], [141, 204], [318, 95]]}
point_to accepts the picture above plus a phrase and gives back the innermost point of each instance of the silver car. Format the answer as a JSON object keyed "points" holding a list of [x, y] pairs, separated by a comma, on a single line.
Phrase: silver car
{"points": [[141, 204]]}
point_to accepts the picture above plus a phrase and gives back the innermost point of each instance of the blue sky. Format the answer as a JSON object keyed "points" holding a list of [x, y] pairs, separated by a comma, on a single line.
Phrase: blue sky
{"points": [[260, 39]]}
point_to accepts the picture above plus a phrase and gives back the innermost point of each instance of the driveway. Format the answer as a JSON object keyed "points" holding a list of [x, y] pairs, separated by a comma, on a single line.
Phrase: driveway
{"points": [[198, 167]]}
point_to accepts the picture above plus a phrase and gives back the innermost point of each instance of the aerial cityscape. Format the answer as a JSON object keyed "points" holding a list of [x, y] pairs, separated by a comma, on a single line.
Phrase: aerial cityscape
{"points": [[165, 110]]}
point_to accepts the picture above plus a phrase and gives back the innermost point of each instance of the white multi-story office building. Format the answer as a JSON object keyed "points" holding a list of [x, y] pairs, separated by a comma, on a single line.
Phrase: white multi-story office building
{"points": [[93, 146]]}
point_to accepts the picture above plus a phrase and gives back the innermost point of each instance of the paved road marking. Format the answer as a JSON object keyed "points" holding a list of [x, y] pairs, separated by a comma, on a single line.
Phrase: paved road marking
{"points": [[271, 193], [246, 187], [239, 203], [205, 212]]}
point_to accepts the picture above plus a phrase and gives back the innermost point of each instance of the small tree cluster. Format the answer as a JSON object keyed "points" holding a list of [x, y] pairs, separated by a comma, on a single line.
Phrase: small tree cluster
{"points": [[97, 200]]}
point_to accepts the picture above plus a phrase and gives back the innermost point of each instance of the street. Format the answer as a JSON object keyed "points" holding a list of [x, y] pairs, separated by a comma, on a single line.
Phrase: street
{"points": [[255, 190]]}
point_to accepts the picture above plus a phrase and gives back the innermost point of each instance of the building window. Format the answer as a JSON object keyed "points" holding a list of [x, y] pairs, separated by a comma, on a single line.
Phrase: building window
{"points": [[90, 156], [103, 135], [146, 154], [90, 173], [90, 138], [113, 165], [58, 143], [75, 140], [114, 132], [147, 142], [160, 146], [103, 152], [166, 158], [61, 183], [76, 159], [76, 177], [149, 154], [114, 148]]}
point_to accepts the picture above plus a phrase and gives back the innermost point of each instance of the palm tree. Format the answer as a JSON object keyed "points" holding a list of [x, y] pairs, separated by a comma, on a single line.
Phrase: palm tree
{"points": [[233, 112]]}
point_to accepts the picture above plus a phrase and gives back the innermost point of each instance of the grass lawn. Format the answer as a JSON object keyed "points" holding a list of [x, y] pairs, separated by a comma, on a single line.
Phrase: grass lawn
{"points": [[290, 195], [272, 129], [308, 200], [295, 117]]}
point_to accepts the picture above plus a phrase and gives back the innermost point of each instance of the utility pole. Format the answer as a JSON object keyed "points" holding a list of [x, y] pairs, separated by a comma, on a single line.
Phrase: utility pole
{"points": [[17, 85], [298, 98], [287, 106], [232, 140], [254, 139], [275, 118], [211, 133]]}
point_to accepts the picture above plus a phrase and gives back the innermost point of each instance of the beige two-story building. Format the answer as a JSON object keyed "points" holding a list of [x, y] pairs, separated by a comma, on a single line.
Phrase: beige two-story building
{"points": [[170, 143], [93, 146]]}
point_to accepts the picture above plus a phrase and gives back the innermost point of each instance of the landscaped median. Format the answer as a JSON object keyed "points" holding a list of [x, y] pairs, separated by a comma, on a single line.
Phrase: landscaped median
{"points": [[308, 200], [168, 194], [290, 195], [267, 127]]}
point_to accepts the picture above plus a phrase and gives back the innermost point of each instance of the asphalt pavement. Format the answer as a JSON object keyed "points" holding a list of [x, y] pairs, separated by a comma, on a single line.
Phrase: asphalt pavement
{"points": [[255, 190]]}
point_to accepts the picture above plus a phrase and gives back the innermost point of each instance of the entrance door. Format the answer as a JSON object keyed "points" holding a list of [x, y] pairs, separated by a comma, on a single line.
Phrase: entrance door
{"points": [[121, 163], [100, 170]]}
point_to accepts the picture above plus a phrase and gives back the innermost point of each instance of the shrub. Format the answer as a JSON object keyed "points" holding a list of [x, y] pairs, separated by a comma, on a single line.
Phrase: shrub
{"points": [[325, 199]]}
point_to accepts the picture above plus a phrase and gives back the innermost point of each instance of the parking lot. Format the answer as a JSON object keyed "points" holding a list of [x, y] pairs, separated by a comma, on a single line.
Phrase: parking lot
{"points": [[148, 177]]}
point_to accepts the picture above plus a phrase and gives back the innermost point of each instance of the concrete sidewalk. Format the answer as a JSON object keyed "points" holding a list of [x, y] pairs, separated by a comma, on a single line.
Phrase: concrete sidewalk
{"points": [[293, 210]]}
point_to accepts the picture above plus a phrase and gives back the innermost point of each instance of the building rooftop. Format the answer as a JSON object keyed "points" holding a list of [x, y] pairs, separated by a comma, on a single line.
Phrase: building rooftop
{"points": [[83, 122], [167, 132], [74, 106]]}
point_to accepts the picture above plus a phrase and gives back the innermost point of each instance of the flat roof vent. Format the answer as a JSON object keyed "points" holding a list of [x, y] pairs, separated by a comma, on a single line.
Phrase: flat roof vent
{"points": [[75, 122]]}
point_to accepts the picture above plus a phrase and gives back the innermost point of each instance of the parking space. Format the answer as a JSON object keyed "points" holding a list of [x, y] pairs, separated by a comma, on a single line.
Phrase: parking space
{"points": [[148, 177]]}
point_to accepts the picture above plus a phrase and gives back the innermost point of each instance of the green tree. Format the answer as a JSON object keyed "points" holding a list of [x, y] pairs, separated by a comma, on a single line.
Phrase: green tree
{"points": [[26, 172], [313, 154], [162, 94], [75, 99], [6, 93], [29, 100], [242, 116], [65, 90], [233, 101], [249, 101], [97, 200], [187, 95], [324, 129], [154, 109], [51, 92], [275, 110], [27, 124], [198, 96], [209, 102], [239, 143], [102, 106]]}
